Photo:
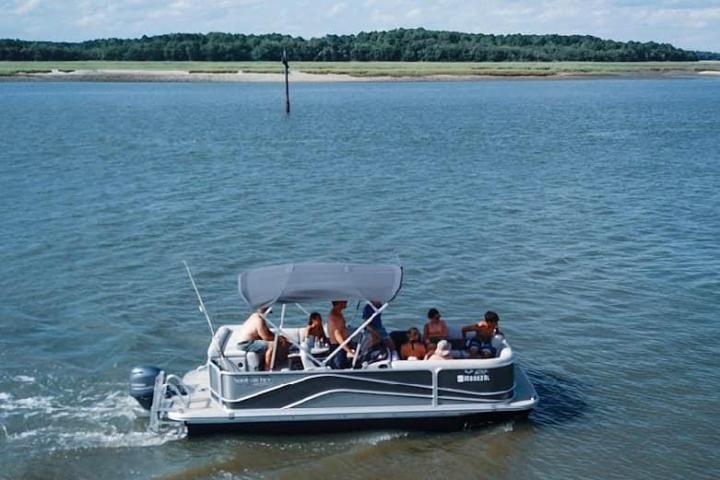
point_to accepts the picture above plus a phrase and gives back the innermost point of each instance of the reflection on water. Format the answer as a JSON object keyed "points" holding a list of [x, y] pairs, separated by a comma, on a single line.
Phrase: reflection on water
{"points": [[400, 454], [561, 398]]}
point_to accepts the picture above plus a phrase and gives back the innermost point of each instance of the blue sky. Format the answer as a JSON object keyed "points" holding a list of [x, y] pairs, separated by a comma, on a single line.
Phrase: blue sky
{"points": [[691, 24]]}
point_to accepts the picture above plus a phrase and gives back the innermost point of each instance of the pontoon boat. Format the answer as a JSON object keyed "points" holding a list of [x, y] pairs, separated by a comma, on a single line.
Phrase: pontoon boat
{"points": [[304, 394]]}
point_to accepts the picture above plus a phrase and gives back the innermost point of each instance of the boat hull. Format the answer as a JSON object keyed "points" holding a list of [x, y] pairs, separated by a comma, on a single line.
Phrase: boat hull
{"points": [[438, 417], [305, 427]]}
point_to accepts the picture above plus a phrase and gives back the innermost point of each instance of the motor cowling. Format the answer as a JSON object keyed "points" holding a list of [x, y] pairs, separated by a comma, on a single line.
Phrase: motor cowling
{"points": [[142, 384]]}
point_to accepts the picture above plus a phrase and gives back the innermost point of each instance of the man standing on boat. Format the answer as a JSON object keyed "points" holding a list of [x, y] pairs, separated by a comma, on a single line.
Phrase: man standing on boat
{"points": [[338, 332], [256, 337]]}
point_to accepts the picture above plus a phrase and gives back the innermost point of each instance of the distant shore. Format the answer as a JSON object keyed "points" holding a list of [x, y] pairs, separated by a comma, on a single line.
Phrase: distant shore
{"points": [[305, 72]]}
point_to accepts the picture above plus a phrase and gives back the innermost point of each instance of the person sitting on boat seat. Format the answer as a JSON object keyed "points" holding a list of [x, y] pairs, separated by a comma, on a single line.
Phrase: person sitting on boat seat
{"points": [[337, 333], [490, 321], [484, 331], [435, 329], [255, 337], [370, 349], [314, 332], [375, 328], [480, 346], [473, 352], [413, 349], [442, 351]]}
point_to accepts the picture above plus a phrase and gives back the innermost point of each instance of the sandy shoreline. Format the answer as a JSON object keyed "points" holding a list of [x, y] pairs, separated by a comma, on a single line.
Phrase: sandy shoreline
{"points": [[127, 75], [182, 76]]}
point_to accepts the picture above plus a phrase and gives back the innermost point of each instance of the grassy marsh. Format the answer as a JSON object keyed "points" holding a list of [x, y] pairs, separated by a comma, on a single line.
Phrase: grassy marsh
{"points": [[377, 69]]}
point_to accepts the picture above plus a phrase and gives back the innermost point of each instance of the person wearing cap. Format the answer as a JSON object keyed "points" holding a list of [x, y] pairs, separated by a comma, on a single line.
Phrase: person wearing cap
{"points": [[442, 351], [435, 329]]}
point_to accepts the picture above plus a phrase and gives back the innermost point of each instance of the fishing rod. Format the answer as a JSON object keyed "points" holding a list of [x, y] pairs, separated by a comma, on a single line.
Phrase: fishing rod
{"points": [[202, 305]]}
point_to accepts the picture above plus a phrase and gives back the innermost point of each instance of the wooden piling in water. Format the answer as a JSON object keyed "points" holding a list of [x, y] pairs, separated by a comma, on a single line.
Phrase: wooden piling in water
{"points": [[287, 82]]}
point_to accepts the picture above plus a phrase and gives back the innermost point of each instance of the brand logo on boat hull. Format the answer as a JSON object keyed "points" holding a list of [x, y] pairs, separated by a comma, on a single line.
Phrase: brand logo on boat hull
{"points": [[252, 380], [473, 376]]}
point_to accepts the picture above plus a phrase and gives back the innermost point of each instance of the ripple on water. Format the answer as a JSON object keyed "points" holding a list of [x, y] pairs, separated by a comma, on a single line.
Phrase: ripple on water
{"points": [[580, 210], [61, 423]]}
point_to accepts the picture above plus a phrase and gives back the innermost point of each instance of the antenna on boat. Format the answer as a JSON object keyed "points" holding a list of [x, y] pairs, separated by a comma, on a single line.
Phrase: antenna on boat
{"points": [[202, 305]]}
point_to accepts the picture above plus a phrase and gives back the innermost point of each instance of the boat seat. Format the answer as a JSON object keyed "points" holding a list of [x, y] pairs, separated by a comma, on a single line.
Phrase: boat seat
{"points": [[456, 342], [455, 338], [233, 359], [305, 346], [298, 336], [217, 344], [295, 334]]}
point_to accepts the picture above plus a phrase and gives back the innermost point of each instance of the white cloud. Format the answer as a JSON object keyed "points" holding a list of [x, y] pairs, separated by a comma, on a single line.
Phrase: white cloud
{"points": [[379, 16], [91, 20], [25, 6], [414, 13], [335, 9], [700, 18], [685, 23]]}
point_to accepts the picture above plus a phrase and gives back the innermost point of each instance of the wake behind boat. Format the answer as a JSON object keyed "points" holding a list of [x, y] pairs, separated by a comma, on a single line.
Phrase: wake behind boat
{"points": [[309, 391]]}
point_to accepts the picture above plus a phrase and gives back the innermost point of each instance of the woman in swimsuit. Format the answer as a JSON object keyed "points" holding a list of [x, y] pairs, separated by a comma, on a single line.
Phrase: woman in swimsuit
{"points": [[315, 331], [413, 347], [435, 329]]}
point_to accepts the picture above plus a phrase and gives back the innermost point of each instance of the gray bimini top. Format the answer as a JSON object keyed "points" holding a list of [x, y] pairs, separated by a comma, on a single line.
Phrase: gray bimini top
{"points": [[302, 282]]}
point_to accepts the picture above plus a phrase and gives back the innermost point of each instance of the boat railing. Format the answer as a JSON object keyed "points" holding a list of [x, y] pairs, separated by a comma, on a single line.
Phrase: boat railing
{"points": [[162, 403], [217, 384]]}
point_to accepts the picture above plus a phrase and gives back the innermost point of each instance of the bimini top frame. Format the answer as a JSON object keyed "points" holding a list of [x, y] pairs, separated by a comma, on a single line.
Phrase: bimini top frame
{"points": [[301, 282]]}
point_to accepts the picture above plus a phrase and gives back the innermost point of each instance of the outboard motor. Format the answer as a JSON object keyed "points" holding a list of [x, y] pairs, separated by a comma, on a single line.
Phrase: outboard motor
{"points": [[142, 384]]}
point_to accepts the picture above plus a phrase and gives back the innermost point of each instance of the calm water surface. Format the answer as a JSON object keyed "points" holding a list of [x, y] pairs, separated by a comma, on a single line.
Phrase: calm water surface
{"points": [[585, 212]]}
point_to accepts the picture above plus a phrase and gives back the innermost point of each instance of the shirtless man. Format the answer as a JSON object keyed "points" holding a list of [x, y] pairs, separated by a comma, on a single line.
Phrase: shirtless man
{"points": [[338, 332], [487, 326], [485, 330], [255, 336]]}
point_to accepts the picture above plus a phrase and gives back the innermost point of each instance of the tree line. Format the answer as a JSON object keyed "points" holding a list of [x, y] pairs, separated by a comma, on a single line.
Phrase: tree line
{"points": [[707, 55], [394, 45]]}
